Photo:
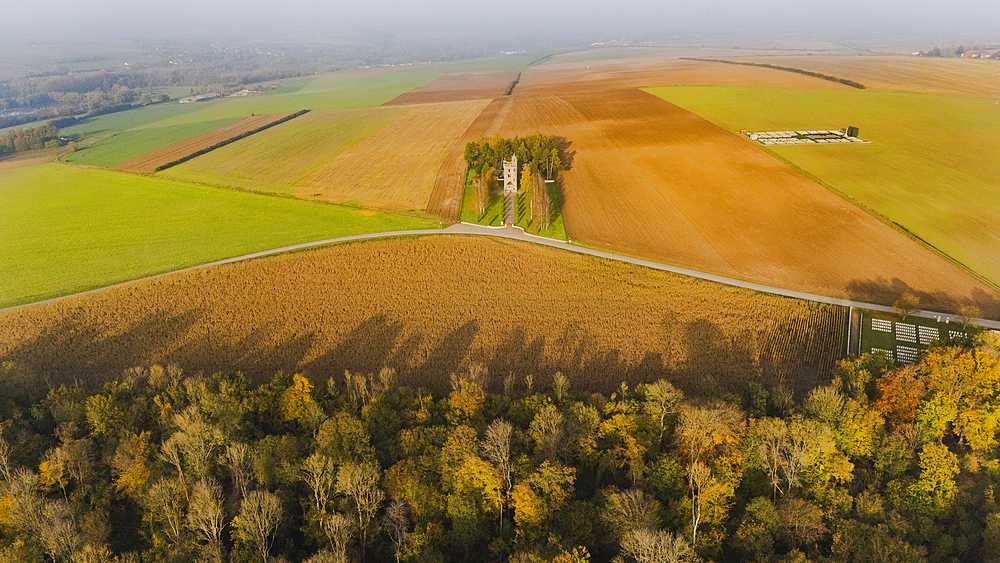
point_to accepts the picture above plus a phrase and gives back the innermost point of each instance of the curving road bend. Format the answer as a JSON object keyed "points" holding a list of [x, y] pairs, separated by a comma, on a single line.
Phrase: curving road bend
{"points": [[517, 233]]}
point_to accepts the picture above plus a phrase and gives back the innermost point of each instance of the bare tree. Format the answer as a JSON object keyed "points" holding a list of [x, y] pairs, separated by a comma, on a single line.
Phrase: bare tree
{"points": [[907, 304], [657, 546], [496, 449], [240, 464], [205, 516], [360, 483], [59, 534], [171, 453], [320, 473], [661, 401], [165, 504], [631, 510], [560, 385], [397, 524], [541, 203], [547, 431], [260, 514], [699, 477], [339, 530], [966, 314], [196, 439]]}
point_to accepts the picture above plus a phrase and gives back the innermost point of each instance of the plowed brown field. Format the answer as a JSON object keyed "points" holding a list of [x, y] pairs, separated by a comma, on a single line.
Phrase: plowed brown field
{"points": [[147, 163], [396, 167], [428, 307], [458, 86], [446, 197], [653, 180], [954, 77]]}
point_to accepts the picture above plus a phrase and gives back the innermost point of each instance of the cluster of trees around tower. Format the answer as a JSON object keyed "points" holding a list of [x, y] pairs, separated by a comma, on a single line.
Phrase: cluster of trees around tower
{"points": [[537, 154], [879, 464], [543, 152]]}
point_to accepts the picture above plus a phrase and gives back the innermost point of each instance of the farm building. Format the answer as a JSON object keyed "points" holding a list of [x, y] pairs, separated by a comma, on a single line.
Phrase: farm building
{"points": [[982, 54], [199, 98]]}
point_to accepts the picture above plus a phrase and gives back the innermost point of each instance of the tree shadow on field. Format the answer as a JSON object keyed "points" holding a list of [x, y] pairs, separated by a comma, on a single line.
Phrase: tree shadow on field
{"points": [[712, 361], [444, 360], [565, 154], [885, 292], [367, 348], [515, 356], [73, 349]]}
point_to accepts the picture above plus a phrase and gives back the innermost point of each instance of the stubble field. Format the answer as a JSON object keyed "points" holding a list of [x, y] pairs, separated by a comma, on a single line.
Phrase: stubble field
{"points": [[429, 307], [459, 86], [446, 196], [279, 159], [147, 163], [395, 168]]}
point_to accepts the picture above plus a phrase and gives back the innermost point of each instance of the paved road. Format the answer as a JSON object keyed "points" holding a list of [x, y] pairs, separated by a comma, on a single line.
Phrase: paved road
{"points": [[517, 233]]}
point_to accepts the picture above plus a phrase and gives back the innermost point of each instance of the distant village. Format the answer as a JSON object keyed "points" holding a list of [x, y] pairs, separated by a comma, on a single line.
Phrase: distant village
{"points": [[982, 54]]}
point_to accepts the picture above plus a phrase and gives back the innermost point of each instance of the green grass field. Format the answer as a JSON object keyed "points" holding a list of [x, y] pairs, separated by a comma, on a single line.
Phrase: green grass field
{"points": [[126, 135], [68, 229], [278, 159], [932, 165], [494, 214], [139, 141]]}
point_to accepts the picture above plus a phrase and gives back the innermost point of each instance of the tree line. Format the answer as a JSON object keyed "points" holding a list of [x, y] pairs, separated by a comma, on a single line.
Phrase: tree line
{"points": [[21, 140], [60, 92], [880, 463], [546, 153], [820, 75]]}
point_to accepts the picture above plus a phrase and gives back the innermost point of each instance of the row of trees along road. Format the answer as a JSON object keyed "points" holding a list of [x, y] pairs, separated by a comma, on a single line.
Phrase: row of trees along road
{"points": [[878, 464]]}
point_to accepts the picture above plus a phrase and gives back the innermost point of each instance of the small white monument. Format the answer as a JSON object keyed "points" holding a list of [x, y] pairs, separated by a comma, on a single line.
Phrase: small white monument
{"points": [[510, 175]]}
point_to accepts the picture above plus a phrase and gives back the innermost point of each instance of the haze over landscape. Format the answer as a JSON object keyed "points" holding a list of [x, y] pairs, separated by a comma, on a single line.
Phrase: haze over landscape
{"points": [[519, 282], [514, 19]]}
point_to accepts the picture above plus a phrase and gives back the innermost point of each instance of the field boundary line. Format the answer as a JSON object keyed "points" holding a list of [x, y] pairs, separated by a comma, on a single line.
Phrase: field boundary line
{"points": [[230, 141], [516, 233]]}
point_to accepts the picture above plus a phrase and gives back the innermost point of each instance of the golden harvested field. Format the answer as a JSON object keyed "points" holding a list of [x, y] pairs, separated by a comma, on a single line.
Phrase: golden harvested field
{"points": [[559, 75], [653, 180], [279, 159], [147, 163], [428, 307], [446, 197], [395, 168], [458, 86], [928, 75]]}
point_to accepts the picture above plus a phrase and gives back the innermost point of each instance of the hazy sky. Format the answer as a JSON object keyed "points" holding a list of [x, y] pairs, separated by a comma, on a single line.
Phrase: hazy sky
{"points": [[28, 19]]}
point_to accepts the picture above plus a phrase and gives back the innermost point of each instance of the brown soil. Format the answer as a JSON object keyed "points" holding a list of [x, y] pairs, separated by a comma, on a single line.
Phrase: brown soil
{"points": [[653, 180], [428, 307], [148, 163], [458, 86], [446, 197]]}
